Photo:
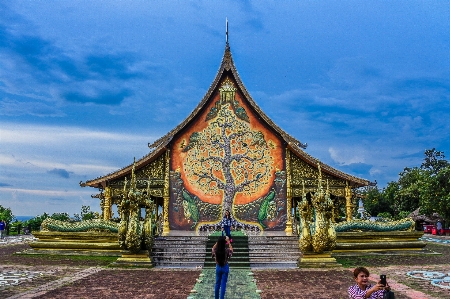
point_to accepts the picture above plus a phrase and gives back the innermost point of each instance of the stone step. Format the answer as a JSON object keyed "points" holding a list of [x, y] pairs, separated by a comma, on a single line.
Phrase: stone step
{"points": [[253, 251], [179, 264], [271, 247], [232, 265], [273, 242], [275, 254], [198, 260], [273, 258], [179, 251]]}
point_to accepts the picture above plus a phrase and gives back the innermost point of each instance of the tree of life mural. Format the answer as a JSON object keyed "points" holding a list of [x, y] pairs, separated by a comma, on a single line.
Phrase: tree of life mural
{"points": [[228, 157]]}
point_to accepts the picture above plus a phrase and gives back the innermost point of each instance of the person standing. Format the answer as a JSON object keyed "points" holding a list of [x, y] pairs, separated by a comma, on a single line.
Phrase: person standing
{"points": [[2, 228], [226, 223], [439, 227], [221, 252]]}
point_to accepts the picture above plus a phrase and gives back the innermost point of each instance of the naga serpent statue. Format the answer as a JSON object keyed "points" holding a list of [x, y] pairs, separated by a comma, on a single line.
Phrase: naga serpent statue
{"points": [[132, 233], [323, 235], [305, 213]]}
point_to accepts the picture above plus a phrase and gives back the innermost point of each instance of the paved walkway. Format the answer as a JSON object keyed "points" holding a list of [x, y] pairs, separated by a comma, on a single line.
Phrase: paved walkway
{"points": [[17, 239], [436, 239], [241, 285], [42, 289]]}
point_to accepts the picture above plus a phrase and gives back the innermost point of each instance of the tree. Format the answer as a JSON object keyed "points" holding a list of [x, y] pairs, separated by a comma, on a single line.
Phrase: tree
{"points": [[426, 187], [6, 214], [375, 201], [228, 156], [60, 216], [86, 214], [36, 222], [434, 161]]}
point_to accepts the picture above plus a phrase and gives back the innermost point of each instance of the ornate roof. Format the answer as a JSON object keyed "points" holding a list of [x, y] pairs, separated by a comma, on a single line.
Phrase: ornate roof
{"points": [[352, 180], [227, 65], [161, 144]]}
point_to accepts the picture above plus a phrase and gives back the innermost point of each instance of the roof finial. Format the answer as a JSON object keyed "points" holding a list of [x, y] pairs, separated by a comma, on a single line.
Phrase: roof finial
{"points": [[226, 30]]}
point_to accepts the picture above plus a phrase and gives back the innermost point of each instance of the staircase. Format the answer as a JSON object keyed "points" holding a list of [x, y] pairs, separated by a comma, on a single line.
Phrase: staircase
{"points": [[240, 258], [179, 251], [279, 252]]}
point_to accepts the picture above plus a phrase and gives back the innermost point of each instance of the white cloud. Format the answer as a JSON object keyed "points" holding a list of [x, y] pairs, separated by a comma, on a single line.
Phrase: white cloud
{"points": [[45, 135], [55, 193], [27, 163], [346, 156]]}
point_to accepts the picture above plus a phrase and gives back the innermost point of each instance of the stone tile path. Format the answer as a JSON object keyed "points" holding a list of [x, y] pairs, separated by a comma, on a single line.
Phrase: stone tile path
{"points": [[43, 289], [241, 285], [14, 277], [20, 239]]}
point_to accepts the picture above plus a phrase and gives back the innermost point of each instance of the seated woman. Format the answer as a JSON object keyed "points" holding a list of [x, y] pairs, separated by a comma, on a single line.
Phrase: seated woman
{"points": [[363, 289]]}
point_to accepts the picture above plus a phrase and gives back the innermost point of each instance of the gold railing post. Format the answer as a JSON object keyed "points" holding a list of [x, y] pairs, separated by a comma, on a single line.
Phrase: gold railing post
{"points": [[107, 204], [166, 196], [348, 202], [288, 229]]}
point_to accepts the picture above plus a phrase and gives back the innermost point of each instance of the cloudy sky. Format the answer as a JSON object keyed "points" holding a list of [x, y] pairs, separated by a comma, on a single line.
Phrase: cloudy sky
{"points": [[86, 85]]}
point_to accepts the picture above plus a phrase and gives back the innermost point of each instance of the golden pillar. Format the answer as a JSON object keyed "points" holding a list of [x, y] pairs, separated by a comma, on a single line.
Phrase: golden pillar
{"points": [[348, 202], [166, 195], [107, 204], [288, 229]]}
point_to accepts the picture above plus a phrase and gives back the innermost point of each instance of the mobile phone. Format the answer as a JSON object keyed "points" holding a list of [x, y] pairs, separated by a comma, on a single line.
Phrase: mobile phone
{"points": [[383, 279]]}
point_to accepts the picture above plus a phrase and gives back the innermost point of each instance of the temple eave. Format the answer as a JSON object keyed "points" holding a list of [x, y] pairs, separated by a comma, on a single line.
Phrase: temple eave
{"points": [[352, 180], [101, 181]]}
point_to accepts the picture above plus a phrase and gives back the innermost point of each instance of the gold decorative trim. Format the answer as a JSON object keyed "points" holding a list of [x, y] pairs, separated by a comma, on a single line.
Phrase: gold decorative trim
{"points": [[166, 227], [288, 229]]}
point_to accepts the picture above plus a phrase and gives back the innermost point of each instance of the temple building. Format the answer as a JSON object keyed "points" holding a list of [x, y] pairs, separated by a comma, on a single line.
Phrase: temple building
{"points": [[228, 155]]}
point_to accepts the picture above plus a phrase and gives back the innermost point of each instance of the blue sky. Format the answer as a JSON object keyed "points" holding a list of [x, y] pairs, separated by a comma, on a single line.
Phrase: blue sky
{"points": [[86, 85]]}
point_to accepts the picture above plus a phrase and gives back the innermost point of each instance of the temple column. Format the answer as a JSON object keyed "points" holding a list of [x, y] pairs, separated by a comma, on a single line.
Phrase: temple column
{"points": [[288, 229], [348, 202], [166, 195], [107, 204]]}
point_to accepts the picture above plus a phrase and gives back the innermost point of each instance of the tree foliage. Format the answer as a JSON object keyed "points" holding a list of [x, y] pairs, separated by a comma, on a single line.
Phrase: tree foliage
{"points": [[6, 215], [35, 223], [86, 214], [426, 187]]}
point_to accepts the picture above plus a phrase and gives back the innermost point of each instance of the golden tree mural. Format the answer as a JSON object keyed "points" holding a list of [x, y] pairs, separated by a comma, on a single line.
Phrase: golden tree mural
{"points": [[228, 157]]}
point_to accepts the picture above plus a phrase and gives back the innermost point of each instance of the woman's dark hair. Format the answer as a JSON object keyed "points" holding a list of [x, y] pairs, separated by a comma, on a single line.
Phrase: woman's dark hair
{"points": [[227, 214], [221, 251], [359, 270]]}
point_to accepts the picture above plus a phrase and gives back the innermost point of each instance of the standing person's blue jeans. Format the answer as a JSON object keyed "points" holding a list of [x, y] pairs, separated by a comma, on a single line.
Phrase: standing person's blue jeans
{"points": [[221, 280], [227, 231]]}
